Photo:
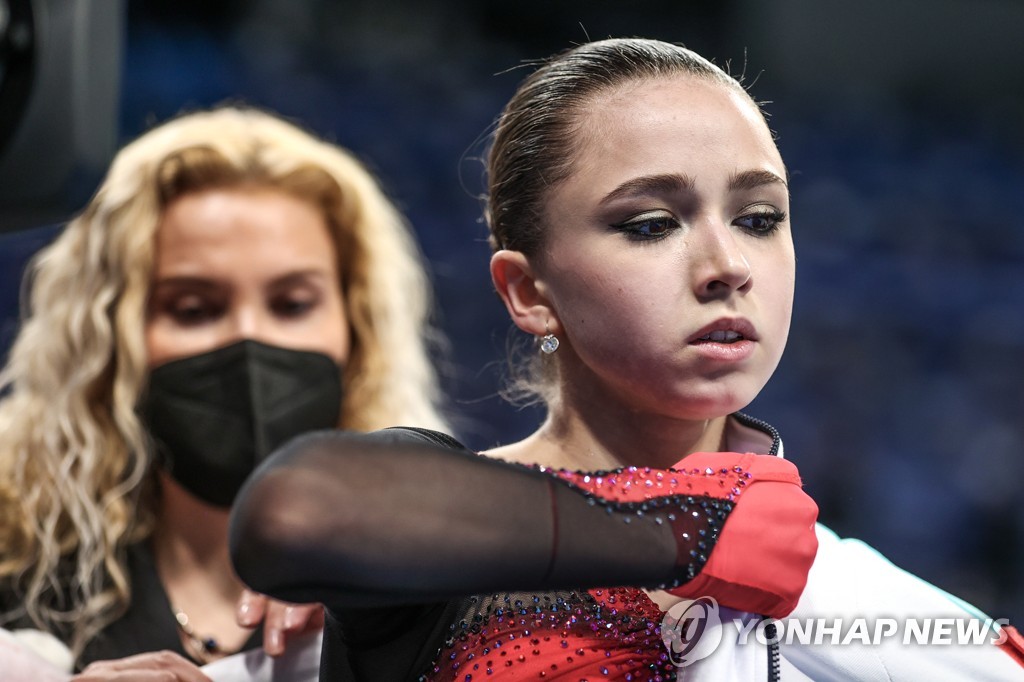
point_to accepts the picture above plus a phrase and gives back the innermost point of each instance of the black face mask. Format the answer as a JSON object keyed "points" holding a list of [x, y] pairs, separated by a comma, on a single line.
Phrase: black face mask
{"points": [[214, 417]]}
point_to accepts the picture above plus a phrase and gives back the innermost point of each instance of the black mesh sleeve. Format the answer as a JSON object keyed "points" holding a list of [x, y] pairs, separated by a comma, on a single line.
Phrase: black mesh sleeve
{"points": [[410, 516]]}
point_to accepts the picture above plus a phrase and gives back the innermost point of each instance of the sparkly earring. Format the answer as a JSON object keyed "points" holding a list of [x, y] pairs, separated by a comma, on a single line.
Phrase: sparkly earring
{"points": [[548, 342]]}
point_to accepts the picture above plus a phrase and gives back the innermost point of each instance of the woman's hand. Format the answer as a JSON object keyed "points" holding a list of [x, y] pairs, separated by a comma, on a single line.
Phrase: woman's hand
{"points": [[281, 620], [157, 666]]}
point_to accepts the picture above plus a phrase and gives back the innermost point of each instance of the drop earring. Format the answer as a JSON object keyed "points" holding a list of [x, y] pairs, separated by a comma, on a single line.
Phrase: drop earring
{"points": [[548, 342]]}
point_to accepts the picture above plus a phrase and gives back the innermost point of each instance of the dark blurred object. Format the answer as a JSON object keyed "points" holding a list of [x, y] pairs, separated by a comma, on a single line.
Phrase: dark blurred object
{"points": [[59, 92], [16, 64]]}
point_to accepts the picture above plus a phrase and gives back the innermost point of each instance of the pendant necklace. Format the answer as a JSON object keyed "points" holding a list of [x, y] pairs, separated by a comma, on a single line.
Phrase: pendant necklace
{"points": [[204, 649]]}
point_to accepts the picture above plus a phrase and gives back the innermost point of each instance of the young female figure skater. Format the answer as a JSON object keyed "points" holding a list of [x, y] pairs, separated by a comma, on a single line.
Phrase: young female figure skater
{"points": [[639, 213], [233, 283]]}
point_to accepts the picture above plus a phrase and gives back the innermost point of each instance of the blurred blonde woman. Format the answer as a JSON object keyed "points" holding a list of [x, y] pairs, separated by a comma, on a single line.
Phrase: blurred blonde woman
{"points": [[234, 281]]}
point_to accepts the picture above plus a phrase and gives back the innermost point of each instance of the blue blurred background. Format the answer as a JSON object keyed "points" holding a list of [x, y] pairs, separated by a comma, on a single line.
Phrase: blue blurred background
{"points": [[901, 395]]}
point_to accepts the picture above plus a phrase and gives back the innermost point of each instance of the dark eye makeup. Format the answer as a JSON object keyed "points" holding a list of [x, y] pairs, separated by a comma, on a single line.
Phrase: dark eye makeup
{"points": [[762, 222], [647, 228]]}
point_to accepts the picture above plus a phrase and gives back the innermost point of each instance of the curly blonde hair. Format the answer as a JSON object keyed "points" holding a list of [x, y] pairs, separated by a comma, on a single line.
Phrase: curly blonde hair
{"points": [[75, 483]]}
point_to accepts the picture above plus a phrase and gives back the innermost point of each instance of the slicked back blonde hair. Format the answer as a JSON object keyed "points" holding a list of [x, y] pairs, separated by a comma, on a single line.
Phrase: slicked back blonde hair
{"points": [[75, 484]]}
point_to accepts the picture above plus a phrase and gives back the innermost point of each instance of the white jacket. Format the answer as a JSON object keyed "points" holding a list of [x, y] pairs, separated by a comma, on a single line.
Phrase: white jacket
{"points": [[824, 640]]}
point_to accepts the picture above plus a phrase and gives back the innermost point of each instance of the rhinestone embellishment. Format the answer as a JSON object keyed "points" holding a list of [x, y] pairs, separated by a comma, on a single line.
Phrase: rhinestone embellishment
{"points": [[549, 343]]}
